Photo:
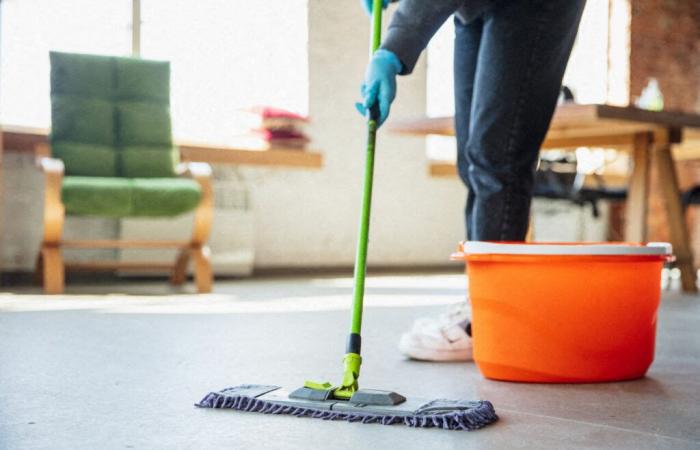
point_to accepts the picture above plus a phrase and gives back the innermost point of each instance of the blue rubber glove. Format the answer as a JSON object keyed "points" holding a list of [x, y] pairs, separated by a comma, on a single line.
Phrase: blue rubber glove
{"points": [[379, 87], [367, 4]]}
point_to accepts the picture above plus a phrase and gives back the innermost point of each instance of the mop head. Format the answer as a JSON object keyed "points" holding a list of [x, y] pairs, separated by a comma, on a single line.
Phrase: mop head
{"points": [[445, 414]]}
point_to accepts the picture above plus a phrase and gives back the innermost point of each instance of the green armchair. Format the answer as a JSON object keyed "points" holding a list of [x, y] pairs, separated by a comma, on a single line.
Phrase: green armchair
{"points": [[111, 154]]}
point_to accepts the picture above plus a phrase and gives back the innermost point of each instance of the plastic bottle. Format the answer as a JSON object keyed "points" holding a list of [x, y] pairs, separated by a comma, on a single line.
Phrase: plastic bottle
{"points": [[651, 98]]}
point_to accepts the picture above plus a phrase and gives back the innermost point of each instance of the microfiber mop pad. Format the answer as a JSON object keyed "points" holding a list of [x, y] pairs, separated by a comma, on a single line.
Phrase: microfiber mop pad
{"points": [[444, 414]]}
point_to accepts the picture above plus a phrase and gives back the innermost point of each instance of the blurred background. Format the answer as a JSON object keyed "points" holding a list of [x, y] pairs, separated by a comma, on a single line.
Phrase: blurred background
{"points": [[280, 211]]}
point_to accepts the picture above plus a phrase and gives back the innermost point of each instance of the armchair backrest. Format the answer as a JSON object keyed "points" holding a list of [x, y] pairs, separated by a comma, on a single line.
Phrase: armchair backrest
{"points": [[111, 116]]}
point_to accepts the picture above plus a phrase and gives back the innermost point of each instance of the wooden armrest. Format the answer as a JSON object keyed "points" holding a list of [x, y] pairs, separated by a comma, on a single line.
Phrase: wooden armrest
{"points": [[44, 161], [195, 170], [54, 211], [204, 214], [50, 166], [42, 150]]}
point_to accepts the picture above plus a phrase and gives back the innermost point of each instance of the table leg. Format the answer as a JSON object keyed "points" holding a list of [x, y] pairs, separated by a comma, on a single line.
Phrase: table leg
{"points": [[638, 190], [530, 235], [678, 228]]}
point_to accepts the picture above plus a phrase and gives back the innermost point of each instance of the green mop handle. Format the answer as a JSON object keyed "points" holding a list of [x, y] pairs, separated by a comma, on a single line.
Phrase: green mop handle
{"points": [[353, 360], [353, 344]]}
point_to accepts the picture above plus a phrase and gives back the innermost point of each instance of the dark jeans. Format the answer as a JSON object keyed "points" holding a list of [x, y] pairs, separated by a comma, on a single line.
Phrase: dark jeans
{"points": [[508, 67]]}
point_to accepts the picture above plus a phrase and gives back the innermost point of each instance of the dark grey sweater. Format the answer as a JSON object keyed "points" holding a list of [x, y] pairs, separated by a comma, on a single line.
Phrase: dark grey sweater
{"points": [[416, 21]]}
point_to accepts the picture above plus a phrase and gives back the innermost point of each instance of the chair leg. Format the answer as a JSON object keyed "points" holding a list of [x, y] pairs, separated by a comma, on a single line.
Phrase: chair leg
{"points": [[203, 275], [203, 217], [39, 269], [52, 269], [179, 274]]}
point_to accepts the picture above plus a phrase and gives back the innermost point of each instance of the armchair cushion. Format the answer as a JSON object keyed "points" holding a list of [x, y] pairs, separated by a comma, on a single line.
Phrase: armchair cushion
{"points": [[139, 79], [157, 197], [87, 159], [82, 75], [142, 123], [102, 104], [125, 197], [96, 196], [149, 161], [80, 119]]}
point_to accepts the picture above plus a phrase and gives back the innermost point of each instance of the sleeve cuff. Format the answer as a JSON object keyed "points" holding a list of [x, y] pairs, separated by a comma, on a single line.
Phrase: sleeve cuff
{"points": [[406, 46]]}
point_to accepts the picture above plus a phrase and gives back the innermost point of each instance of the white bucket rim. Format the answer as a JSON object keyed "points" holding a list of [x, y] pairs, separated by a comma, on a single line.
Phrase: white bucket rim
{"points": [[572, 249]]}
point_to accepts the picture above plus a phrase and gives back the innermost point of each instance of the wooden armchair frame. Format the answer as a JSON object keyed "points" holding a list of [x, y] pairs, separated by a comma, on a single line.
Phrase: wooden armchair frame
{"points": [[50, 267]]}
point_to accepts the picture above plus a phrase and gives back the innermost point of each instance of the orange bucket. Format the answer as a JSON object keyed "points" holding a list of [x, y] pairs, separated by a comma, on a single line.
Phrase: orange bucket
{"points": [[563, 313]]}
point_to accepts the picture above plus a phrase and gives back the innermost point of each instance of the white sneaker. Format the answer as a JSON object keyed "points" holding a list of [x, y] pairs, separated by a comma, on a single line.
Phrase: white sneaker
{"points": [[459, 312], [443, 338]]}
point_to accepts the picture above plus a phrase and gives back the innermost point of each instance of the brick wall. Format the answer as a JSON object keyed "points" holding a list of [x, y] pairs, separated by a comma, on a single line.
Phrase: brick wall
{"points": [[665, 44]]}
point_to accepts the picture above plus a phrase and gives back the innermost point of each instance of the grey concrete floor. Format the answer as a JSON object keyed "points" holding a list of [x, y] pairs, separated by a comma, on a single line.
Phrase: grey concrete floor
{"points": [[123, 369]]}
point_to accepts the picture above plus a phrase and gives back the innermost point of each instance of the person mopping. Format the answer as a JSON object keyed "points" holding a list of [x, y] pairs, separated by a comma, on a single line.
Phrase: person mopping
{"points": [[509, 61]]}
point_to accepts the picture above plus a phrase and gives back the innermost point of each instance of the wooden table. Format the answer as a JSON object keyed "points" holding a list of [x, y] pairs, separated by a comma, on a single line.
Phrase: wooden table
{"points": [[23, 139], [648, 135]]}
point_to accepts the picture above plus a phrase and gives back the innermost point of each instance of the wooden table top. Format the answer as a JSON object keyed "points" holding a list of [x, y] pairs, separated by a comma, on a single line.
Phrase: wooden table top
{"points": [[25, 139], [575, 124]]}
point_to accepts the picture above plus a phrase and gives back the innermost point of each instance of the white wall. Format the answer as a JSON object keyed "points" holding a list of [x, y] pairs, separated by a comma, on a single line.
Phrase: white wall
{"points": [[21, 215], [310, 218], [587, 71]]}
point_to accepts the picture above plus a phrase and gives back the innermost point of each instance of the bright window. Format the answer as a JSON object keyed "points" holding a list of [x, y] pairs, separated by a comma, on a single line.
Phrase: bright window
{"points": [[226, 55], [30, 28]]}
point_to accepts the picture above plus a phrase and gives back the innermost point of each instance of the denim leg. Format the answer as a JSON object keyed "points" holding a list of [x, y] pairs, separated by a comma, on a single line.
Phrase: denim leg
{"points": [[466, 52], [523, 52]]}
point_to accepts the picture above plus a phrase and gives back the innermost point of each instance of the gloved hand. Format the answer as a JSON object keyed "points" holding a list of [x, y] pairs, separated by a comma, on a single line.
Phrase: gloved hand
{"points": [[367, 4], [379, 86]]}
